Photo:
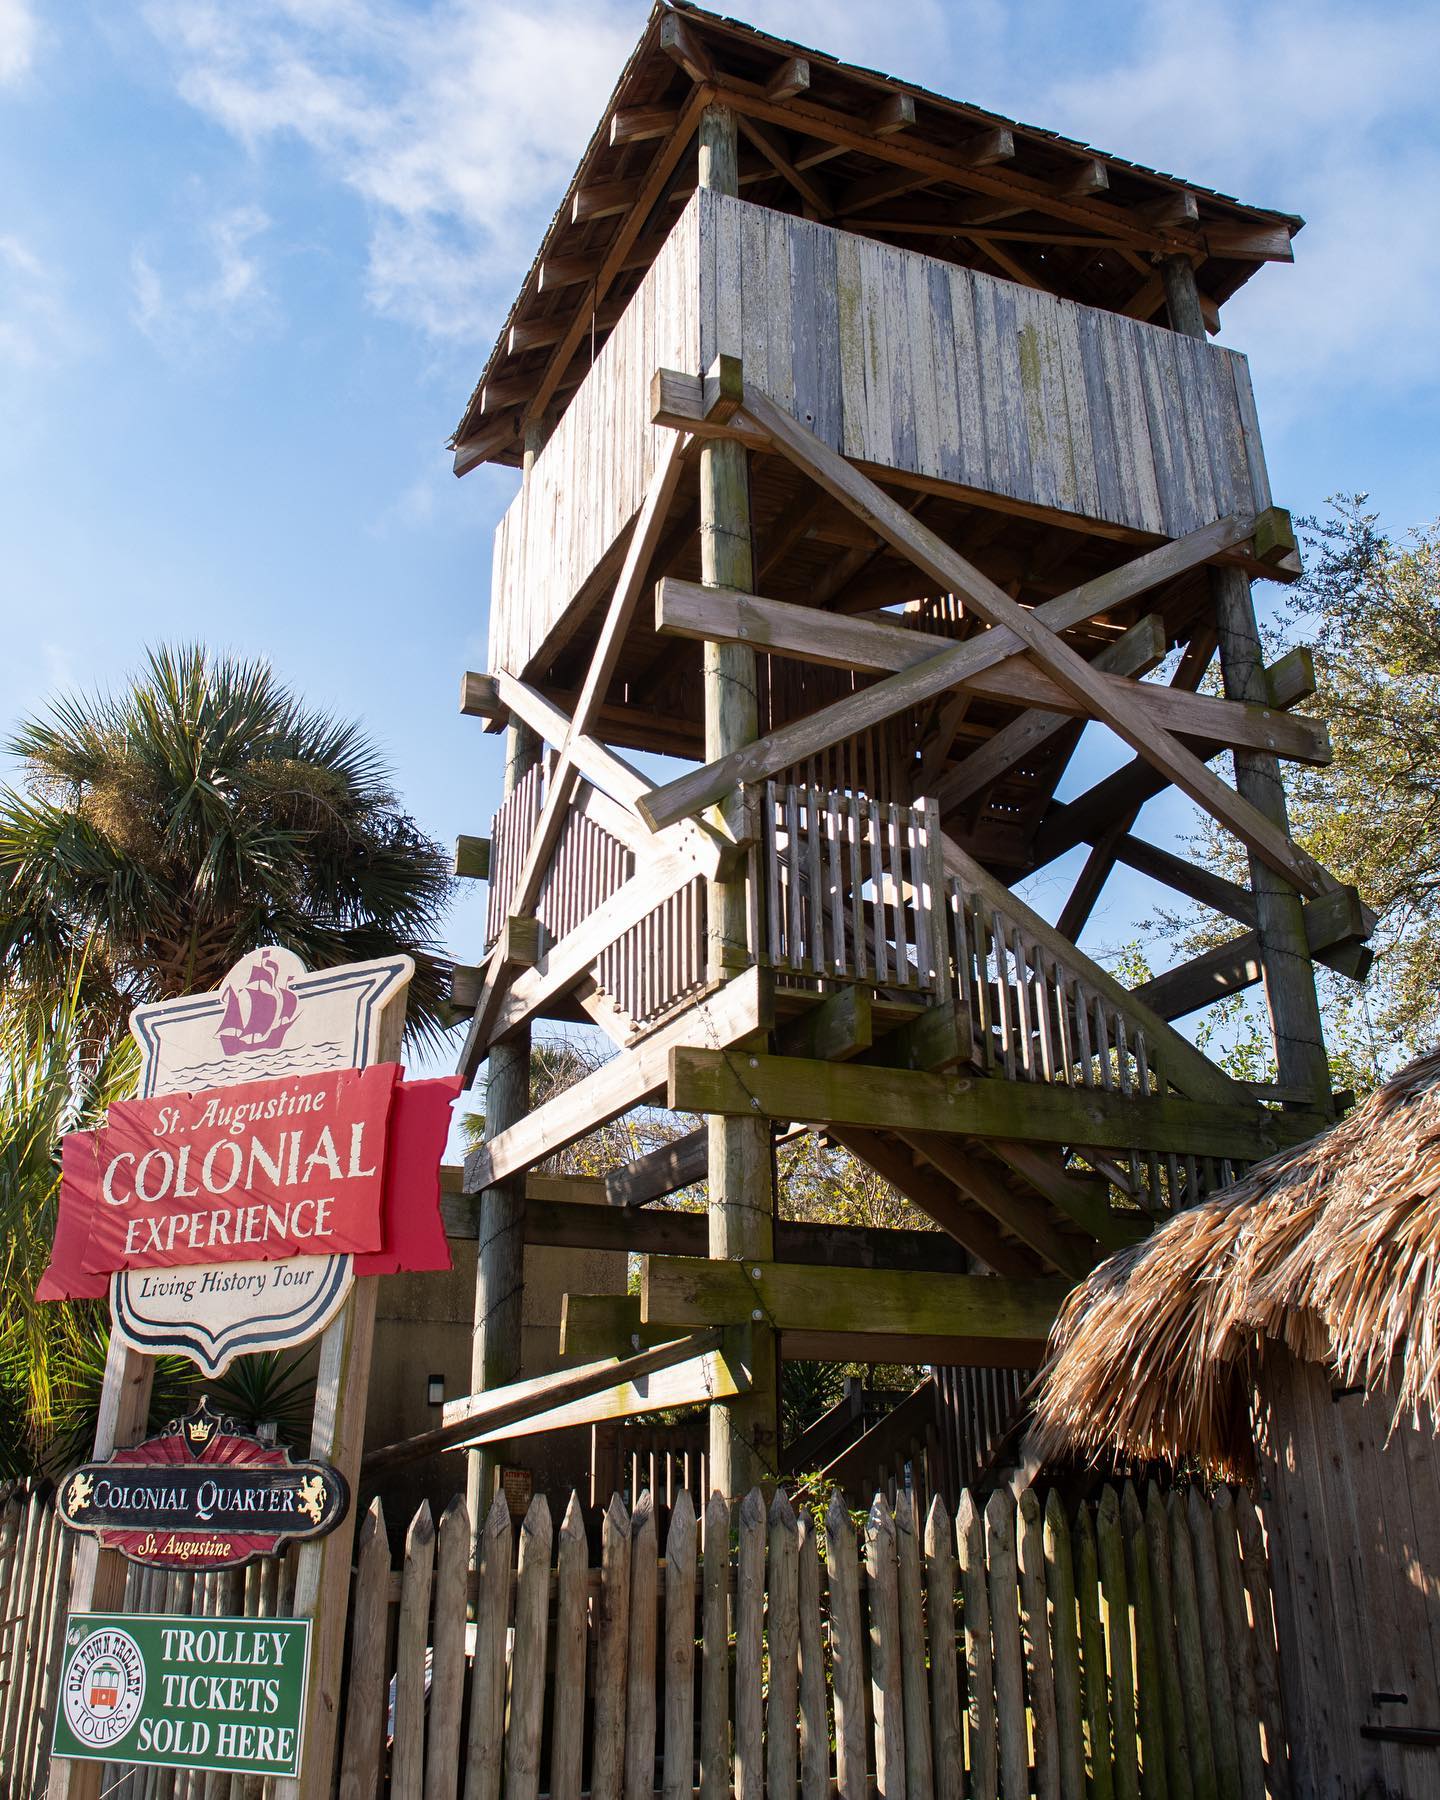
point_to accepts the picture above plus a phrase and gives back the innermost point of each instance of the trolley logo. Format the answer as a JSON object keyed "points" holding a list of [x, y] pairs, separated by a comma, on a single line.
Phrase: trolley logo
{"points": [[104, 1686]]}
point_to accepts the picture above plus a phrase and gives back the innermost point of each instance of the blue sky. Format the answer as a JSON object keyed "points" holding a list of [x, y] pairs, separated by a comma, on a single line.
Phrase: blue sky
{"points": [[252, 256]]}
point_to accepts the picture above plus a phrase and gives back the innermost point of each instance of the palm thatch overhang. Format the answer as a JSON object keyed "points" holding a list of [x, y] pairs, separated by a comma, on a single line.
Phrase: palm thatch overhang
{"points": [[1330, 1249], [856, 149]]}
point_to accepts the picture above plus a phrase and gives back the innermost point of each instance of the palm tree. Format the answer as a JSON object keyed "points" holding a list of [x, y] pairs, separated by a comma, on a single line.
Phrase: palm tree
{"points": [[201, 811]]}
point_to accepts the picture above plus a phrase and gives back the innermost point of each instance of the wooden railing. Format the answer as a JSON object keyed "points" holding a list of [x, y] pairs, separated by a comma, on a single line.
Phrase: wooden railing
{"points": [[660, 962], [1026, 1647], [848, 888], [511, 830]]}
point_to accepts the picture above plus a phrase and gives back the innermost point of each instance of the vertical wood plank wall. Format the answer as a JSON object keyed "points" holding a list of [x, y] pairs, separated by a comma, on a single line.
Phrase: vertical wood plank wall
{"points": [[587, 483], [900, 361], [1354, 1529]]}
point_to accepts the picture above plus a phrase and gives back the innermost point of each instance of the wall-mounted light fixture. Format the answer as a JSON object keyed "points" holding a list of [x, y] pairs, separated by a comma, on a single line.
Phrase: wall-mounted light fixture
{"points": [[435, 1390]]}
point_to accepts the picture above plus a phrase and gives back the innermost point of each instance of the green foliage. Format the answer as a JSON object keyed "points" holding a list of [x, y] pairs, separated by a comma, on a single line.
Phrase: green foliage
{"points": [[269, 1389], [1369, 606], [200, 811], [53, 1079]]}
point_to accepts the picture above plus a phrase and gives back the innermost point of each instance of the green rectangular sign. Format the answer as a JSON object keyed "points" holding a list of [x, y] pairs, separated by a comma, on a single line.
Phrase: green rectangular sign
{"points": [[226, 1694]]}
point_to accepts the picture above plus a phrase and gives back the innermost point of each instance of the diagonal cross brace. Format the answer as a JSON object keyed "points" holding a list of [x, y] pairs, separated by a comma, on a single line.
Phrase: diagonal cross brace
{"points": [[1013, 627]]}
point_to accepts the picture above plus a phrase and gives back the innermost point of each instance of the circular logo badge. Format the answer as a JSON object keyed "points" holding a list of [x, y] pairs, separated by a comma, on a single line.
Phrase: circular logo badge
{"points": [[104, 1687]]}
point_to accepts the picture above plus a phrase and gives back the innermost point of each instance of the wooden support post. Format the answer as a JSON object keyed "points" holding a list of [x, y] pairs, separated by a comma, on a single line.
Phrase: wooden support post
{"points": [[744, 1434], [97, 1581], [1300, 1056], [337, 1436], [1301, 1060], [500, 1252]]}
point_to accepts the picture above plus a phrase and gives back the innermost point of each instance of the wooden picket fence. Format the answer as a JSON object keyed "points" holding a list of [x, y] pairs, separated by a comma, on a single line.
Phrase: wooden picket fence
{"points": [[1105, 1652], [1111, 1650], [36, 1553]]}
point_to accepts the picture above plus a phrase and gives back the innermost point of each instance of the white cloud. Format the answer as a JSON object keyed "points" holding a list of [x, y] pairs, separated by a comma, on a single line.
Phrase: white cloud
{"points": [[458, 126], [19, 35], [36, 328], [1339, 128], [220, 285]]}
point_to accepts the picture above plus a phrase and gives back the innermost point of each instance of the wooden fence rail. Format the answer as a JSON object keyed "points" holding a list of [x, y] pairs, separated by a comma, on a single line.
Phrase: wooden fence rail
{"points": [[1122, 1649]]}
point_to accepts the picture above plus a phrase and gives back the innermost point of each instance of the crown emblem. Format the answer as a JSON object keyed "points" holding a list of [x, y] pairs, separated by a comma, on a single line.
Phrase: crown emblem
{"points": [[197, 1428]]}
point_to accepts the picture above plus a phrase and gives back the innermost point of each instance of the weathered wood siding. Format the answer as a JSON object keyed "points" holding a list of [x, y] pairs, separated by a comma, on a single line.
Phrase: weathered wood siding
{"points": [[906, 362], [900, 361], [588, 482], [1353, 1514]]}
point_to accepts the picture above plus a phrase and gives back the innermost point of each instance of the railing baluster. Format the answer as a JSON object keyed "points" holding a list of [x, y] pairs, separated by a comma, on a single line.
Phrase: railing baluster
{"points": [[837, 884], [857, 884]]}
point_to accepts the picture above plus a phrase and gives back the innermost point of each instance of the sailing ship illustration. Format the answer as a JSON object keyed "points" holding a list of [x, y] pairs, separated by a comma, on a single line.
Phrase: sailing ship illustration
{"points": [[259, 1009]]}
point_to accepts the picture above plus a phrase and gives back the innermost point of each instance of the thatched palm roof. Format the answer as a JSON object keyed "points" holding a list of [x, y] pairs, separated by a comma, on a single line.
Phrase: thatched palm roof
{"points": [[1330, 1248]]}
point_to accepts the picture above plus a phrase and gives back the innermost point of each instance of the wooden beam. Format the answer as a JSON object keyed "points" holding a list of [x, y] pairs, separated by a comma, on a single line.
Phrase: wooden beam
{"points": [[840, 1026], [480, 446], [565, 963], [694, 1382], [1226, 968], [687, 609], [935, 164], [1200, 885], [924, 1188], [1118, 710], [651, 188], [944, 1350], [663, 1231], [1249, 242], [472, 858], [741, 1007], [1085, 1199], [1137, 650], [664, 1170], [682, 46], [844, 1094], [790, 79], [682, 1292], [1176, 208], [1335, 926], [637, 124], [463, 1419], [1024, 1216], [480, 699], [645, 534], [609, 772], [773, 151]]}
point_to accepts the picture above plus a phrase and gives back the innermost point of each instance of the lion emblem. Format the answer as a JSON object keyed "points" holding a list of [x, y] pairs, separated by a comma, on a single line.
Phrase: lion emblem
{"points": [[311, 1498]]}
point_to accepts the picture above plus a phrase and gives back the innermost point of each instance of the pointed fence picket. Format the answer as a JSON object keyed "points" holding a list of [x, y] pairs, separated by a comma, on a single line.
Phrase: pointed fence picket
{"points": [[1124, 1647], [1023, 1647]]}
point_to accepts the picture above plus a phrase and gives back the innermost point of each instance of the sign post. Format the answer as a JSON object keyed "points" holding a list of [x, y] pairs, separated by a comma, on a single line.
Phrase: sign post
{"points": [[272, 1022]]}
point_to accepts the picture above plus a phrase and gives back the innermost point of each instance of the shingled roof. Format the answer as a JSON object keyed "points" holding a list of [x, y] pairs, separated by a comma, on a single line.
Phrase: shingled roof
{"points": [[861, 150]]}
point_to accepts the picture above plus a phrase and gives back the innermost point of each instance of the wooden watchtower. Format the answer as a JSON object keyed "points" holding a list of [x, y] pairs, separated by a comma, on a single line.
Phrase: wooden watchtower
{"points": [[872, 446]]}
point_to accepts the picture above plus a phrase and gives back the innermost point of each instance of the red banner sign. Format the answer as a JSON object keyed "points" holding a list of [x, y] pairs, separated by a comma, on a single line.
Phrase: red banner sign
{"points": [[261, 1171]]}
